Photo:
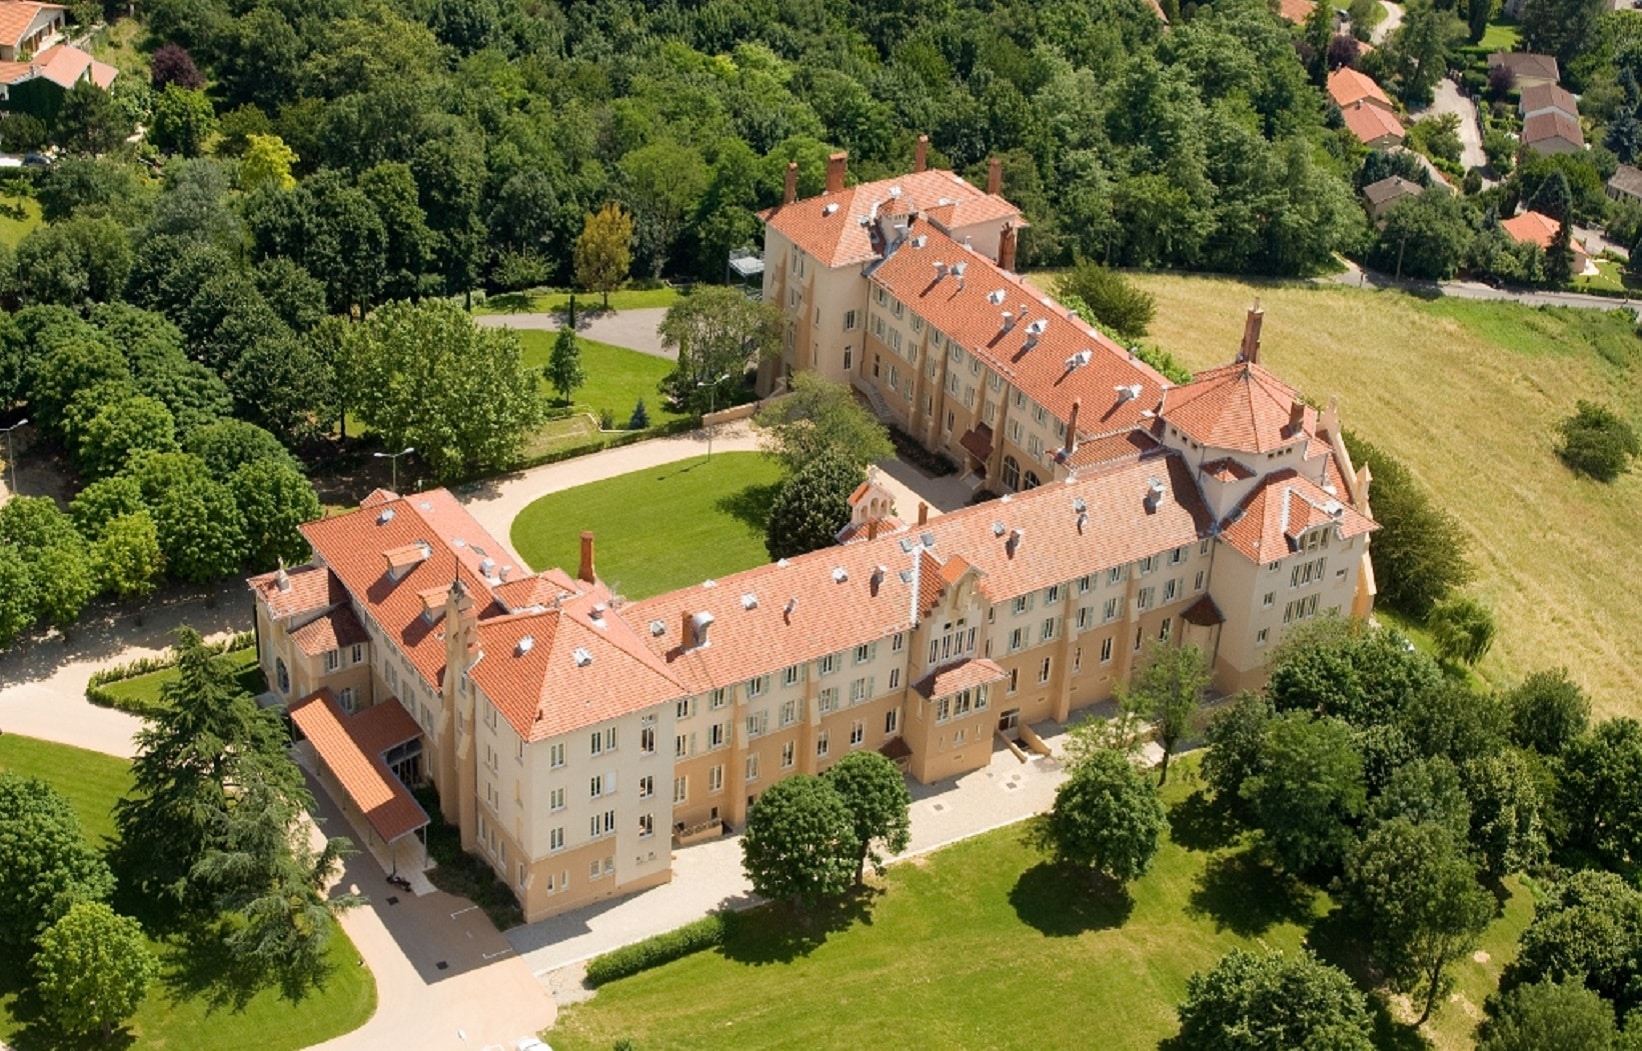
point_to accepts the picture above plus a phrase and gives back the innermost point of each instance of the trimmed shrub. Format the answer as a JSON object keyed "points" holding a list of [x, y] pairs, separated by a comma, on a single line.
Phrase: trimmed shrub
{"points": [[706, 933], [1596, 442]]}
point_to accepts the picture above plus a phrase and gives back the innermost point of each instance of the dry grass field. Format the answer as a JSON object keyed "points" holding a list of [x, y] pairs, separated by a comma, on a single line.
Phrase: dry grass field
{"points": [[1469, 394]]}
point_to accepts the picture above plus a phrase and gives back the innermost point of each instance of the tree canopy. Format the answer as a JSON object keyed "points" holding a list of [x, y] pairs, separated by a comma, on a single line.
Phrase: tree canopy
{"points": [[46, 865], [1106, 817], [93, 969], [800, 842], [1264, 1001], [875, 793]]}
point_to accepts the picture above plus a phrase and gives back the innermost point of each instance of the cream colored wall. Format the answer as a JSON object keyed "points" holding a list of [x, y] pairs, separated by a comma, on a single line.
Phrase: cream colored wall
{"points": [[809, 292], [1240, 587]]}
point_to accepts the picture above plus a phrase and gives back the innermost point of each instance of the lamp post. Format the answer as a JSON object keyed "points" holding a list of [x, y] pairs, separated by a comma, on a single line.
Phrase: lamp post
{"points": [[11, 461], [394, 457], [712, 400]]}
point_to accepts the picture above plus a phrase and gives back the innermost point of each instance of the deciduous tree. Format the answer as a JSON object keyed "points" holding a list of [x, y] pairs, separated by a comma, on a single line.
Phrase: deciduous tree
{"points": [[17, 597], [564, 365], [1236, 737], [123, 428], [1310, 787], [1462, 628], [1114, 302], [1597, 442], [1548, 710], [1420, 550], [1507, 812], [716, 333], [817, 418], [127, 556], [1265, 1001], [1167, 691], [93, 969], [182, 121], [811, 507], [1587, 930], [1563, 1015], [267, 161], [604, 251], [1107, 816], [274, 499], [799, 843], [875, 793], [201, 530], [1600, 793], [46, 865]]}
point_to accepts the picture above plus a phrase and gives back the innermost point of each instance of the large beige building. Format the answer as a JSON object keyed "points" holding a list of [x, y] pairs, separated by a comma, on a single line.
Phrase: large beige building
{"points": [[576, 737]]}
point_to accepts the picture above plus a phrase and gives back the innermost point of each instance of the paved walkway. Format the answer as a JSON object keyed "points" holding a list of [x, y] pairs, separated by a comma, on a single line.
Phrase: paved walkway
{"points": [[1447, 99], [1388, 25], [709, 876], [1357, 277], [634, 329]]}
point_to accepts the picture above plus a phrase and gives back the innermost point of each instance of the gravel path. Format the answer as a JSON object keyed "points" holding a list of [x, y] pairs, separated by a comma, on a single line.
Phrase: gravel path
{"points": [[634, 329]]}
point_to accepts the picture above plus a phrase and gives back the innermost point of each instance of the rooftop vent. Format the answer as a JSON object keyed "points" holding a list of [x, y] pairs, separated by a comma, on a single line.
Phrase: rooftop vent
{"points": [[1037, 327], [940, 269], [907, 546], [996, 297], [790, 607], [385, 517], [997, 529], [1127, 391], [1078, 505], [906, 576], [487, 566], [960, 269], [709, 583], [895, 193], [1078, 360], [839, 574], [657, 629], [457, 541], [1083, 519], [504, 573], [749, 601], [919, 241], [927, 538], [878, 575], [526, 643], [1008, 320], [698, 625], [1334, 508], [782, 562], [597, 611], [583, 656], [829, 208], [1154, 494]]}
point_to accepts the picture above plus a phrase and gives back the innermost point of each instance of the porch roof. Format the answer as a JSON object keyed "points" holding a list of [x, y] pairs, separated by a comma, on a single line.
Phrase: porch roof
{"points": [[352, 747]]}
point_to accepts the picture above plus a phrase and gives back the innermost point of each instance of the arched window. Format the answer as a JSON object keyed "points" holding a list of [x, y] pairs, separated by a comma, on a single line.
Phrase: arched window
{"points": [[282, 675], [1011, 473], [1032, 480]]}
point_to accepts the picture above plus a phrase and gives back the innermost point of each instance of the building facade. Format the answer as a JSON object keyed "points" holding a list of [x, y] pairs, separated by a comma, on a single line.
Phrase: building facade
{"points": [[576, 737]]}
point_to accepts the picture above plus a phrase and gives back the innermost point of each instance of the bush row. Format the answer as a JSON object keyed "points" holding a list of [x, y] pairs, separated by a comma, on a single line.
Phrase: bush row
{"points": [[680, 426], [911, 450], [705, 933], [145, 665]]}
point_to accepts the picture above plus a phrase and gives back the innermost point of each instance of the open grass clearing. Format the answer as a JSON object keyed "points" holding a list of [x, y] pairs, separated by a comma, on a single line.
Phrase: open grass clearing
{"points": [[957, 939], [660, 528], [142, 693], [1468, 394], [545, 302], [19, 215], [177, 1013], [616, 379]]}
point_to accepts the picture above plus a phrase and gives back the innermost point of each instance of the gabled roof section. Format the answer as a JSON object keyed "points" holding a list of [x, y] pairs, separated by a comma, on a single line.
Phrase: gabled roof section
{"points": [[1552, 124], [829, 226], [1390, 188], [352, 747], [17, 15], [954, 678], [66, 66], [1627, 180], [1526, 64], [1536, 97], [308, 588], [330, 631], [1346, 86], [1531, 228], [1240, 406], [1370, 123], [1035, 351], [1267, 524]]}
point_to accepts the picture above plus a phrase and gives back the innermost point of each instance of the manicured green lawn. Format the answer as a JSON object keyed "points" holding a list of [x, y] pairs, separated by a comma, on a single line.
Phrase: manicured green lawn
{"points": [[616, 377], [543, 302], [658, 529], [1611, 278], [173, 1016], [985, 944], [142, 693], [1502, 35], [13, 228]]}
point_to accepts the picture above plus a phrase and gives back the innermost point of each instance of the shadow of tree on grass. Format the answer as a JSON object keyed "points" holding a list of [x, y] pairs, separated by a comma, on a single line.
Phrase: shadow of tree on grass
{"points": [[781, 932], [1247, 897], [751, 505], [1202, 822], [1063, 901]]}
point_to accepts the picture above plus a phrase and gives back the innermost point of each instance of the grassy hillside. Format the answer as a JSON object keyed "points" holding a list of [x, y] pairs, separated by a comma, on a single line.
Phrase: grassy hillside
{"points": [[1469, 394]]}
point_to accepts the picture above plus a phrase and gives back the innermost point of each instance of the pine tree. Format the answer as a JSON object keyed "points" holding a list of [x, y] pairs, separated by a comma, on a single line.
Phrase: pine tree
{"points": [[564, 365], [1559, 258], [640, 418]]}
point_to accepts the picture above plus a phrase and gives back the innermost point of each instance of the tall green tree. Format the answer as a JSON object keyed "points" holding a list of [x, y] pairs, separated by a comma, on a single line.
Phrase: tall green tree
{"points": [[274, 499], [1420, 550], [1565, 29], [1167, 691], [716, 333], [1107, 816], [1462, 629], [122, 428], [1566, 1016], [201, 529], [1309, 788], [1236, 739], [1586, 930], [1113, 302], [18, 603], [811, 507], [819, 418], [799, 843], [875, 794], [564, 365], [1507, 812], [182, 121], [604, 251], [1266, 1001], [93, 969], [46, 865], [1548, 711], [127, 557], [1600, 792]]}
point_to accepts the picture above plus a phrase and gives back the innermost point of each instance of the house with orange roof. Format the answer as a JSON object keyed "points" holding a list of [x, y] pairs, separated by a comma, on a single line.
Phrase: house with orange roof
{"points": [[26, 28], [1540, 229], [1375, 127], [37, 64], [1347, 87], [576, 737]]}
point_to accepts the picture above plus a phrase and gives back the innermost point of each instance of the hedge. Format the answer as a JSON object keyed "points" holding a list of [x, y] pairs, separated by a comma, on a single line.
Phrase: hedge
{"points": [[706, 933], [98, 695], [679, 426], [912, 450]]}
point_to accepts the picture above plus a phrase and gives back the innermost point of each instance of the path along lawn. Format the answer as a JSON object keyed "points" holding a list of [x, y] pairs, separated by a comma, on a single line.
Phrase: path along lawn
{"points": [[986, 945], [544, 302], [661, 528], [171, 1017], [616, 379], [1469, 394]]}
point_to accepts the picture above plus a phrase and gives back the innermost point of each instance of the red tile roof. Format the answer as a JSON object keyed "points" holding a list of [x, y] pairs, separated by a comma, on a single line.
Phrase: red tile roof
{"points": [[1296, 11], [350, 749], [965, 675], [310, 588], [330, 631], [1265, 526], [1371, 124], [66, 66], [829, 227], [1239, 406], [1346, 86], [1531, 228], [963, 311], [1111, 448], [17, 15], [1551, 124], [859, 530]]}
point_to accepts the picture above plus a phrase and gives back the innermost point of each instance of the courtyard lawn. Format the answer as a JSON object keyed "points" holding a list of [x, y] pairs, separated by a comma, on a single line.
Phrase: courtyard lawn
{"points": [[616, 377], [173, 1015], [142, 693], [1468, 394], [658, 529], [544, 302], [986, 944], [1610, 277]]}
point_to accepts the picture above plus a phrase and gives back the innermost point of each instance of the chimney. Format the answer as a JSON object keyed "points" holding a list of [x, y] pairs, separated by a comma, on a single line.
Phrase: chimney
{"points": [[994, 175], [1154, 495], [837, 165], [791, 193], [1250, 351], [586, 571], [1072, 427], [872, 529], [923, 513], [1006, 247], [1297, 416], [282, 579], [920, 154]]}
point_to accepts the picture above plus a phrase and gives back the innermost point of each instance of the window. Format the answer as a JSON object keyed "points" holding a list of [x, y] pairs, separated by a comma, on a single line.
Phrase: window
{"points": [[943, 709], [350, 700], [1051, 593], [1169, 589], [1044, 669], [1197, 585], [555, 754], [1267, 600], [555, 799], [284, 676], [827, 700], [1014, 679], [895, 678], [1261, 636], [897, 641], [865, 652], [716, 699], [1020, 605], [849, 321], [647, 736], [789, 712], [685, 708], [860, 690], [827, 665], [821, 741], [357, 654], [333, 660], [752, 768], [1031, 481], [758, 723], [1148, 564], [1106, 650], [647, 825], [756, 687], [1178, 555], [602, 824], [595, 786], [1115, 574], [787, 751], [718, 735], [647, 786], [555, 838], [1047, 631], [1084, 616], [681, 746], [858, 732], [958, 737], [1017, 639], [1011, 473], [892, 721], [602, 741], [681, 789], [1164, 628], [1110, 611], [715, 778], [1143, 598]]}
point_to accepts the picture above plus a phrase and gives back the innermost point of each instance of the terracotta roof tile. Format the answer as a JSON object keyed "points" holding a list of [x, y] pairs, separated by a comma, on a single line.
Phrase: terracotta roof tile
{"points": [[1347, 87], [1036, 363], [857, 531], [330, 631], [16, 16], [1112, 448], [1240, 406], [1531, 228], [1551, 124], [1296, 11], [357, 764], [1371, 123], [965, 675], [311, 588], [1281, 508], [1536, 97]]}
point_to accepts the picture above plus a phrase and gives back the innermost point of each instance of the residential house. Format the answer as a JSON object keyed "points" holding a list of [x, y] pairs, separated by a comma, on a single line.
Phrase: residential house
{"points": [[1375, 127], [1626, 184], [1347, 87], [1539, 228], [1552, 131], [37, 64], [26, 28], [1295, 11], [1529, 69], [1381, 196], [576, 737], [1547, 98]]}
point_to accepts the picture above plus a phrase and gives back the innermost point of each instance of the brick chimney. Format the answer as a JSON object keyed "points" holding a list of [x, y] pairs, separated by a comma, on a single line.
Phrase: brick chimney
{"points": [[791, 193], [1250, 351], [923, 513], [1006, 247], [920, 154], [872, 529], [837, 165], [1072, 427], [1297, 416], [994, 175], [585, 573]]}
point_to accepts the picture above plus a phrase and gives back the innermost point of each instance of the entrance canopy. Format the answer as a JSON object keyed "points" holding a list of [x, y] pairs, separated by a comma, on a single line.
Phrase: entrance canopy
{"points": [[351, 747]]}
